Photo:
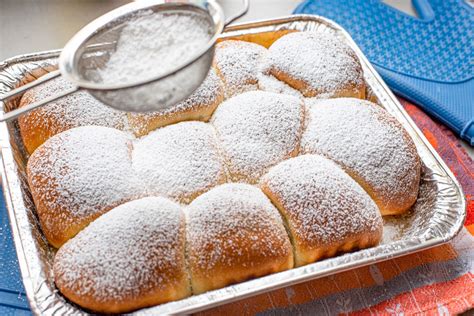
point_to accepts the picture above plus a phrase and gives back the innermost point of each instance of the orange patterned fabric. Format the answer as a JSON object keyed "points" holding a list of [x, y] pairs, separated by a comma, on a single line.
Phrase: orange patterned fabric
{"points": [[437, 281]]}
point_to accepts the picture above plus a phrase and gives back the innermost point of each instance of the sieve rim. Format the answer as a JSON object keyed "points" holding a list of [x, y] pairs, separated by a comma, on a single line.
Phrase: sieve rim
{"points": [[69, 53]]}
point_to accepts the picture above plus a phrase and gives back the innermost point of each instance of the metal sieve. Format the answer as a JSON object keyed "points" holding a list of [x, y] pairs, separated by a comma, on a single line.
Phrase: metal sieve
{"points": [[91, 48]]}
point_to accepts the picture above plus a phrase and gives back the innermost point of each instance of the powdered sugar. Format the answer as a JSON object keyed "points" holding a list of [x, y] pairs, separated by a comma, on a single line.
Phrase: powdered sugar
{"points": [[128, 253], [366, 141], [257, 130], [316, 63], [78, 109], [154, 43], [271, 84], [323, 205], [81, 173], [202, 101], [232, 221], [238, 63], [179, 161]]}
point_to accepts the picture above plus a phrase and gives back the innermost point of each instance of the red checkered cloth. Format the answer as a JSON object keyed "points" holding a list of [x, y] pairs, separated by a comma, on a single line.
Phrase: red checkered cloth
{"points": [[438, 281]]}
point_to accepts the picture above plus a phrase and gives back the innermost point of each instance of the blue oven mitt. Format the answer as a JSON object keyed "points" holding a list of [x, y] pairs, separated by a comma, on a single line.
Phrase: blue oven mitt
{"points": [[427, 59]]}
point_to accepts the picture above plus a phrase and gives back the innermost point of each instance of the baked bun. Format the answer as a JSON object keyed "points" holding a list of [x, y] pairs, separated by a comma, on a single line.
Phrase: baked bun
{"points": [[78, 175], [317, 64], [326, 211], [271, 84], [238, 63], [258, 130], [129, 258], [78, 109], [370, 145], [199, 106], [234, 233], [179, 161]]}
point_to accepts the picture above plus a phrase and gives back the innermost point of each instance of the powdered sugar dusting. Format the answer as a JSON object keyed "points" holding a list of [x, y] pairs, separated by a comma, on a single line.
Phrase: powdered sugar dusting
{"points": [[151, 45], [322, 203], [321, 63], [257, 130], [128, 253], [269, 83], [204, 99], [366, 140], [82, 172], [154, 43], [179, 161], [78, 109], [239, 63], [231, 223]]}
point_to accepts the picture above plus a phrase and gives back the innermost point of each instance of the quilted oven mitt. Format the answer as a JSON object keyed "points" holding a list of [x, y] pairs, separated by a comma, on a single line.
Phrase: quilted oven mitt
{"points": [[427, 59]]}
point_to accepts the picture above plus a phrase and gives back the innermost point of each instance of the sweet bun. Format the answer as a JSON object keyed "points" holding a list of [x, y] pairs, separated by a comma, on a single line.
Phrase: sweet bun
{"points": [[271, 84], [317, 64], [78, 109], [199, 106], [78, 175], [326, 211], [129, 258], [370, 145], [234, 233], [179, 161], [257, 130], [238, 64]]}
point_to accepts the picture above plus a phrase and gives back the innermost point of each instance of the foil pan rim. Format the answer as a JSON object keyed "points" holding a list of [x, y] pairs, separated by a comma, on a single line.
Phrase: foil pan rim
{"points": [[36, 281]]}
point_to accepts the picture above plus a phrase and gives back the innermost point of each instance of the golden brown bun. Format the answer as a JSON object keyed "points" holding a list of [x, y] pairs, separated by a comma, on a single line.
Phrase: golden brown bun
{"points": [[234, 233], [130, 258], [78, 175], [180, 161], [326, 211], [199, 106], [238, 63], [370, 145], [78, 109], [257, 130], [317, 64]]}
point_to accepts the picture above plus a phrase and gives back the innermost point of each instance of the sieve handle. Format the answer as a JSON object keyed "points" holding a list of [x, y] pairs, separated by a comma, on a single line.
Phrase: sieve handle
{"points": [[17, 112], [40, 80], [241, 13]]}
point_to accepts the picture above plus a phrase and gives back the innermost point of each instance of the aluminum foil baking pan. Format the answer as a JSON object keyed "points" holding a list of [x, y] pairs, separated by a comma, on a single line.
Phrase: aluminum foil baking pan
{"points": [[435, 219]]}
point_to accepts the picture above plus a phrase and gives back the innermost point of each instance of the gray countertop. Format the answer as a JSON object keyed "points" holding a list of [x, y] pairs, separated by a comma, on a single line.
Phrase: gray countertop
{"points": [[34, 25]]}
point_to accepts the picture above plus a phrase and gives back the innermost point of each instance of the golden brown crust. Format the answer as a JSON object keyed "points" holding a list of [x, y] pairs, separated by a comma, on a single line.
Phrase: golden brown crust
{"points": [[234, 233], [256, 130], [130, 258], [349, 90], [197, 107], [35, 135], [180, 161], [78, 175], [326, 212], [78, 109], [317, 65], [370, 145], [238, 64]]}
